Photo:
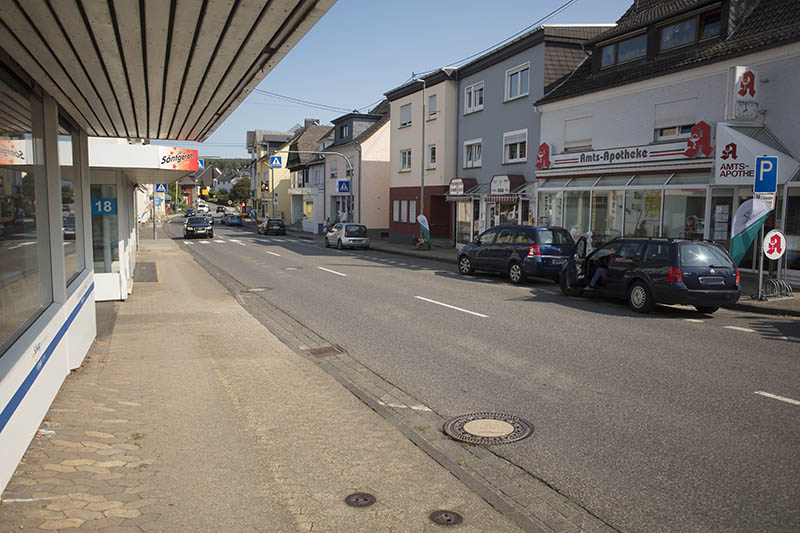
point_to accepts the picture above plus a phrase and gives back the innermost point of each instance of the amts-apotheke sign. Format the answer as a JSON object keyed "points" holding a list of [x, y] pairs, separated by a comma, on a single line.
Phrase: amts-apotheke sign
{"points": [[698, 144]]}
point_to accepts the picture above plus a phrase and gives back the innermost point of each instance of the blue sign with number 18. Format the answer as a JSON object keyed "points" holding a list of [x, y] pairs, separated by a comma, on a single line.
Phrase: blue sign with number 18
{"points": [[104, 206]]}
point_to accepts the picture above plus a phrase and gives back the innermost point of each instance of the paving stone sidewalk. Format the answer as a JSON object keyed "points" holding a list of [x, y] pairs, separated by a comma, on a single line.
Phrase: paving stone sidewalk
{"points": [[189, 415]]}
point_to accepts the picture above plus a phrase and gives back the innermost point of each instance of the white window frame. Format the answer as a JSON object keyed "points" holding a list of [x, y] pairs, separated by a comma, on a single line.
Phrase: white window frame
{"points": [[395, 210], [334, 169], [472, 89], [412, 211], [344, 130], [403, 166], [404, 211], [433, 109], [410, 113], [514, 133], [659, 136], [509, 73], [431, 156], [472, 163]]}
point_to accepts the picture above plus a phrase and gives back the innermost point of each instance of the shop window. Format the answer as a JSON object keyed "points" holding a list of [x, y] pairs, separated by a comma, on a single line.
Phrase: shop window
{"points": [[623, 51], [396, 211], [105, 228], [793, 229], [404, 211], [550, 208], [412, 210], [642, 213], [71, 221], [26, 287], [684, 214], [463, 222], [608, 208], [576, 212]]}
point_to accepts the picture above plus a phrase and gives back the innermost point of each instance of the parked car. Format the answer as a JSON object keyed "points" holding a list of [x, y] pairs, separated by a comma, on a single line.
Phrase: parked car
{"points": [[203, 208], [220, 209], [68, 225], [273, 226], [344, 235], [197, 227], [189, 213], [232, 219], [518, 251], [651, 271]]}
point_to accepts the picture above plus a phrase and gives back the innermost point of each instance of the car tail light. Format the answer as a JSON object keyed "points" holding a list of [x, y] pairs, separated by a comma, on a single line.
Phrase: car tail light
{"points": [[534, 251], [738, 277], [675, 275]]}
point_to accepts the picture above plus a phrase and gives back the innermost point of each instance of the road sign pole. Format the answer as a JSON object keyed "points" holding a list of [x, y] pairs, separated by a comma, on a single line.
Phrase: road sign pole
{"points": [[761, 266], [272, 190], [153, 211]]}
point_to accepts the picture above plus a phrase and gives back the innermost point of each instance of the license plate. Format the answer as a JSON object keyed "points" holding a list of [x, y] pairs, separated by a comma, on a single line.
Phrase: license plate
{"points": [[559, 261]]}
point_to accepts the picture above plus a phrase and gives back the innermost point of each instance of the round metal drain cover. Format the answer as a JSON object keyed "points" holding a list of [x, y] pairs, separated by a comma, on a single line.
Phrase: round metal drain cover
{"points": [[360, 499], [446, 518], [488, 428]]}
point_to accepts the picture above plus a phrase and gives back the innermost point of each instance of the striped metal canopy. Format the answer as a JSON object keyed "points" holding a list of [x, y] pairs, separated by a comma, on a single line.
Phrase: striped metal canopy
{"points": [[152, 69]]}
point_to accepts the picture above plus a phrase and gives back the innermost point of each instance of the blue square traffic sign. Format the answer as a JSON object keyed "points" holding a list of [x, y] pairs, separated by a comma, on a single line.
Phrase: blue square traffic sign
{"points": [[766, 174], [275, 161], [344, 186], [161, 187]]}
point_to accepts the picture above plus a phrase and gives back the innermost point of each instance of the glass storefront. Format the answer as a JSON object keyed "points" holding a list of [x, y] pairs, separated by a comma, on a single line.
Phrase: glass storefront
{"points": [[503, 213], [105, 228], [576, 212], [684, 213], [792, 229], [71, 226], [26, 286], [465, 218], [607, 215], [642, 213], [551, 208]]}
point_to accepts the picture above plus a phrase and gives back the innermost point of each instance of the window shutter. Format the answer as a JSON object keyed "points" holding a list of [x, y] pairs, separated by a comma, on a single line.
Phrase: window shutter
{"points": [[678, 113], [578, 132]]}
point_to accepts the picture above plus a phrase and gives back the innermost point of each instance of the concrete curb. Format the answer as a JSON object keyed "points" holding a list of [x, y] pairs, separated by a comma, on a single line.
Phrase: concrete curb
{"points": [[763, 310]]}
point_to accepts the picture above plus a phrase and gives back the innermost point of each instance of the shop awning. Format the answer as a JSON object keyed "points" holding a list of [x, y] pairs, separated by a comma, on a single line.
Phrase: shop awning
{"points": [[503, 198], [458, 198]]}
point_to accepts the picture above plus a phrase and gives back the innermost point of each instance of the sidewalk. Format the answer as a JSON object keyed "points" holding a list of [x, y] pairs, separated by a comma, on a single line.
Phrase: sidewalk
{"points": [[189, 415]]}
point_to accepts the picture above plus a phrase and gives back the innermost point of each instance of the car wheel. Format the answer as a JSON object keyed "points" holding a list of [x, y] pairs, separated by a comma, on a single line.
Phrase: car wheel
{"points": [[557, 279], [210, 235], [707, 309], [640, 298], [185, 236], [566, 286], [515, 273], [339, 245], [465, 265]]}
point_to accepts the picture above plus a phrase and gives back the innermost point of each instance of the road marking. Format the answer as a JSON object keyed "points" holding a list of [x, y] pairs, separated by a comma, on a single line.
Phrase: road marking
{"points": [[451, 307], [187, 243], [273, 253], [331, 271], [403, 406], [776, 397], [737, 328], [203, 242], [238, 242], [785, 338], [291, 240], [278, 240], [20, 245], [695, 320]]}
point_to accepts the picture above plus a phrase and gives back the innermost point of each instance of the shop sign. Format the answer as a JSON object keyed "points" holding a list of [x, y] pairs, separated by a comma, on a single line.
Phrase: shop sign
{"points": [[774, 245], [456, 186], [12, 152], [177, 159], [744, 93], [736, 154], [699, 144], [500, 185]]}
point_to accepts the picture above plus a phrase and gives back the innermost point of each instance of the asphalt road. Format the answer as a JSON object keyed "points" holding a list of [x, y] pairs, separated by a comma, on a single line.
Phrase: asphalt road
{"points": [[651, 422]]}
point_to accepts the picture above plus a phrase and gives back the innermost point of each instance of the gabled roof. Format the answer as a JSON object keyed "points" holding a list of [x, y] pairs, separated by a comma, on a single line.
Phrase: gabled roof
{"points": [[757, 25], [305, 140]]}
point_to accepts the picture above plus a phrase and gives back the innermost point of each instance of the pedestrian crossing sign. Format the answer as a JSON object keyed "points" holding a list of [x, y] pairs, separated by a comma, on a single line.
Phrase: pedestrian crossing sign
{"points": [[275, 161], [161, 187], [344, 186]]}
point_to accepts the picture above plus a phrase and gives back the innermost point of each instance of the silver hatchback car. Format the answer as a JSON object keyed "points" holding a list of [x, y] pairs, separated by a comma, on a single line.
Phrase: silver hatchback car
{"points": [[344, 235]]}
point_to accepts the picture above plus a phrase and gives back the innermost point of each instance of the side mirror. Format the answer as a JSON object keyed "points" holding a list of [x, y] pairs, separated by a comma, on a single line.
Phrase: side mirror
{"points": [[476, 242]]}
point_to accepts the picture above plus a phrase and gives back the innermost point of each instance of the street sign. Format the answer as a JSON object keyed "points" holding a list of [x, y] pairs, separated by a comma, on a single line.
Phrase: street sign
{"points": [[161, 187], [774, 244], [230, 203], [159, 201], [201, 164], [344, 186], [769, 198], [275, 161], [766, 180]]}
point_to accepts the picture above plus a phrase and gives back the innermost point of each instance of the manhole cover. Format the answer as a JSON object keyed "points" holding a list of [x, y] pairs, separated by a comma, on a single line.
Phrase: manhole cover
{"points": [[360, 499], [488, 428], [446, 518]]}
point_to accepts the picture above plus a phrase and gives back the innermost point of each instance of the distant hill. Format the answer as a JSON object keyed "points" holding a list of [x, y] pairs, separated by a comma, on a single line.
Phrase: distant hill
{"points": [[227, 164]]}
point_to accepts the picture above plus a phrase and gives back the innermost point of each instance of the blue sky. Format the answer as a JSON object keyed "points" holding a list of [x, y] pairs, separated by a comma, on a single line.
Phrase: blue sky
{"points": [[363, 48]]}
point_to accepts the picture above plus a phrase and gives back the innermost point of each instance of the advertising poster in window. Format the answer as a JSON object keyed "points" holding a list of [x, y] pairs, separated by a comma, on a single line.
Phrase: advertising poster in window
{"points": [[652, 206]]}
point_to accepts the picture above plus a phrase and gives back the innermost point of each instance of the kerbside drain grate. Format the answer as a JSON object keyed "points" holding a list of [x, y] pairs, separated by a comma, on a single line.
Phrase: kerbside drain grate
{"points": [[360, 499], [323, 351], [446, 518], [488, 428]]}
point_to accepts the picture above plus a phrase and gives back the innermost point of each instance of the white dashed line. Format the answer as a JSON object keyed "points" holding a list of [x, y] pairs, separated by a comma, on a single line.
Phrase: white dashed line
{"points": [[273, 253], [776, 397], [695, 320], [291, 240], [737, 328], [278, 240], [452, 307], [331, 271], [203, 242], [238, 242], [402, 406]]}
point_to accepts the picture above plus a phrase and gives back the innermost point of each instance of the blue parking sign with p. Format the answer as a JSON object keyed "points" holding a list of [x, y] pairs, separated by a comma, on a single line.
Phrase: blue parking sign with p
{"points": [[766, 180]]}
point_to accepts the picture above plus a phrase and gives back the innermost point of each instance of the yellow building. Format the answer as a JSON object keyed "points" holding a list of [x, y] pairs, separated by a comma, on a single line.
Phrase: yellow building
{"points": [[269, 191]]}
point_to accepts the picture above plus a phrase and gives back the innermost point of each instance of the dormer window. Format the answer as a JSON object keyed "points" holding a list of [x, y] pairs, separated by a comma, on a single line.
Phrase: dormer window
{"points": [[623, 51], [690, 31], [344, 131]]}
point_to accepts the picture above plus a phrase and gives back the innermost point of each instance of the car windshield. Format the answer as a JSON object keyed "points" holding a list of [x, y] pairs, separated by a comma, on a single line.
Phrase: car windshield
{"points": [[354, 230], [554, 236], [198, 220], [701, 255]]}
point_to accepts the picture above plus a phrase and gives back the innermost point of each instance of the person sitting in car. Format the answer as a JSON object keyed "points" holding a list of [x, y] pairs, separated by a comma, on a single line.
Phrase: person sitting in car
{"points": [[601, 270]]}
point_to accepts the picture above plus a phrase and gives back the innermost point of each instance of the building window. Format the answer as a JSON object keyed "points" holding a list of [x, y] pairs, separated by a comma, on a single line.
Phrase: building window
{"points": [[674, 132], [432, 111], [431, 156], [472, 153], [396, 211], [405, 160], [348, 172], [473, 98], [622, 51], [517, 81], [344, 131], [404, 211], [515, 146], [689, 31], [405, 115], [334, 169], [71, 220], [412, 211]]}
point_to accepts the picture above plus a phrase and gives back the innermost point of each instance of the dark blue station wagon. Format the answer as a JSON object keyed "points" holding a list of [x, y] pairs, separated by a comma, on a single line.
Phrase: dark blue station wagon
{"points": [[518, 251]]}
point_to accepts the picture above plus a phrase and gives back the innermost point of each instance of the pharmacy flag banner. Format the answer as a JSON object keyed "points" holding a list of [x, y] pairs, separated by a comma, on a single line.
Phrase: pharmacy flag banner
{"points": [[426, 229], [746, 223]]}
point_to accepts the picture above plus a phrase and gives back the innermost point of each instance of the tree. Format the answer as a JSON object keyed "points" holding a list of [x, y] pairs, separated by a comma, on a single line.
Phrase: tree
{"points": [[240, 192]]}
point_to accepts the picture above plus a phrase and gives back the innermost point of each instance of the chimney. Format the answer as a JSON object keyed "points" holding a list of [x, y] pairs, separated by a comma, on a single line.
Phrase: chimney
{"points": [[311, 122]]}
